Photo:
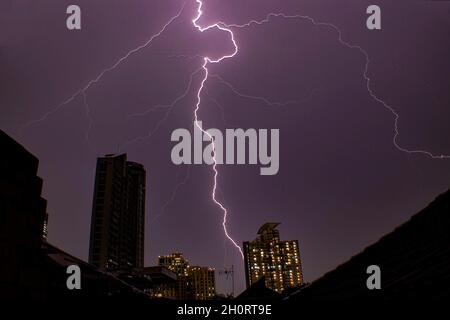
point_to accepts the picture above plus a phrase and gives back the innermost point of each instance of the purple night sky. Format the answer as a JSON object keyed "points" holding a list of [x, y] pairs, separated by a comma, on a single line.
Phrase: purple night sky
{"points": [[342, 183]]}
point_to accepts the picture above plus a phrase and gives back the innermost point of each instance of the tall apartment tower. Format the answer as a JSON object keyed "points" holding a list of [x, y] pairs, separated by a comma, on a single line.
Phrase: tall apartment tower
{"points": [[278, 261], [118, 214]]}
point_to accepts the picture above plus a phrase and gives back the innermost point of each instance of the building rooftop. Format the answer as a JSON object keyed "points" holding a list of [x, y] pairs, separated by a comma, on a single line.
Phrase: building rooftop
{"points": [[268, 226]]}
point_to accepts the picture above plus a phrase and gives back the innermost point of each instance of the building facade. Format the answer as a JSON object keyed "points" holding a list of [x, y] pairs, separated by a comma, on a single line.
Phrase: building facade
{"points": [[194, 282], [118, 214], [278, 261], [201, 283]]}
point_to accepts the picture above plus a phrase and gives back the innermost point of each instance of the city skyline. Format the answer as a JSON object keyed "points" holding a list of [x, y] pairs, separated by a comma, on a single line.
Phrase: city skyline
{"points": [[341, 183], [194, 282], [117, 233], [418, 248]]}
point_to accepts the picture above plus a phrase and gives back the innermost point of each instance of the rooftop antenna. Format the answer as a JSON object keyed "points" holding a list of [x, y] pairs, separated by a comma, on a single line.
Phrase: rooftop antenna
{"points": [[229, 273]]}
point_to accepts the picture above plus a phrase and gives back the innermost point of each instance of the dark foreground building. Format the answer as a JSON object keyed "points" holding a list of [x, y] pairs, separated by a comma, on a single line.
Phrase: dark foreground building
{"points": [[22, 215], [414, 260], [118, 214], [33, 269]]}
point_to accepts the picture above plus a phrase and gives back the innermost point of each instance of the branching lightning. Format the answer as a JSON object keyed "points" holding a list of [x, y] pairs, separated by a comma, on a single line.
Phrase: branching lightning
{"points": [[365, 73], [228, 28], [206, 62], [103, 72]]}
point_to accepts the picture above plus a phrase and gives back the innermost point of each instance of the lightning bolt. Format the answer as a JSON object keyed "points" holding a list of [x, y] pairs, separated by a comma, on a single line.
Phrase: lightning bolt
{"points": [[366, 77], [228, 28], [206, 62]]}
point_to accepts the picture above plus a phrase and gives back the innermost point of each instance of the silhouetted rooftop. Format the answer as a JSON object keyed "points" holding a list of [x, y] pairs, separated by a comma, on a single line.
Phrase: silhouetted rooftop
{"points": [[414, 262], [268, 226]]}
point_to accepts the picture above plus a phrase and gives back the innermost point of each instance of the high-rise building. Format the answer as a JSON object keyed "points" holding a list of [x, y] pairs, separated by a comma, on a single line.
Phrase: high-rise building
{"points": [[118, 214], [278, 261], [194, 282]]}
